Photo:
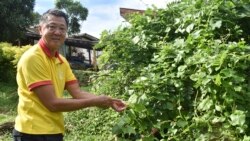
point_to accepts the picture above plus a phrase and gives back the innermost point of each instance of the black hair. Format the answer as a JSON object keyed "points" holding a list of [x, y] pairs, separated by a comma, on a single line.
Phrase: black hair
{"points": [[54, 12]]}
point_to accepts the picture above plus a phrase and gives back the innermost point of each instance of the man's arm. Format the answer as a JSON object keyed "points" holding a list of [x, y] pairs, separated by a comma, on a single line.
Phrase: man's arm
{"points": [[77, 93], [46, 95]]}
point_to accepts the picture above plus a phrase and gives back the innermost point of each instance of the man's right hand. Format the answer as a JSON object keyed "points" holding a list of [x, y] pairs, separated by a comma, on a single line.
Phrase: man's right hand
{"points": [[106, 102]]}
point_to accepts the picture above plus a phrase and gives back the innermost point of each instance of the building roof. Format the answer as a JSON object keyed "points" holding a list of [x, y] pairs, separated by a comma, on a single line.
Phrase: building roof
{"points": [[84, 40], [125, 12], [85, 36]]}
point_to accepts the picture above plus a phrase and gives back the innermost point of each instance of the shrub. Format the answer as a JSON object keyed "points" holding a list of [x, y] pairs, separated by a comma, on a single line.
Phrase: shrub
{"points": [[9, 56], [184, 71], [90, 124], [84, 77]]}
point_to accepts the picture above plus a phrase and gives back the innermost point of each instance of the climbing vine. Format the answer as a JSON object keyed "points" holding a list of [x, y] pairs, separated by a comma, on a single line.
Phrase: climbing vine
{"points": [[183, 70]]}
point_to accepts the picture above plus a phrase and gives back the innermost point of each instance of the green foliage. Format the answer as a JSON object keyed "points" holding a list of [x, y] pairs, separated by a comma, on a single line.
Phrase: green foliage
{"points": [[76, 13], [90, 124], [6, 137], [184, 70], [16, 16], [8, 103], [8, 99], [35, 18], [84, 77], [9, 56], [6, 67]]}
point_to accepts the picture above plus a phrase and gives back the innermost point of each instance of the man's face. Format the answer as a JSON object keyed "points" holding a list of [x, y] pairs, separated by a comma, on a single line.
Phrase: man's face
{"points": [[54, 32]]}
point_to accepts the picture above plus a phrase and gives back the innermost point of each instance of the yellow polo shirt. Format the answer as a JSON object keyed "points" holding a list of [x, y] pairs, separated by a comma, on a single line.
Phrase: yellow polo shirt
{"points": [[36, 68]]}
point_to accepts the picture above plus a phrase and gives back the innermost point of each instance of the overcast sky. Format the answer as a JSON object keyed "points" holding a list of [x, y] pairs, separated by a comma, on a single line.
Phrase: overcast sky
{"points": [[103, 14]]}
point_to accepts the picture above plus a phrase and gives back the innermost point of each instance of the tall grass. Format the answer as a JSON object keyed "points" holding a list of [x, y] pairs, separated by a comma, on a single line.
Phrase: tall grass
{"points": [[8, 103], [90, 124], [8, 97]]}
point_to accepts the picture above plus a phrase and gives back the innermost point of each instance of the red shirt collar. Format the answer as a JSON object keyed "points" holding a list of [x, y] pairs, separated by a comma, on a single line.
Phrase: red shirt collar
{"points": [[47, 52]]}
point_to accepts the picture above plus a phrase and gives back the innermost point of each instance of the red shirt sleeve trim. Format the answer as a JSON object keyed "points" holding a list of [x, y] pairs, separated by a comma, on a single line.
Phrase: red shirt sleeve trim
{"points": [[71, 82], [41, 83]]}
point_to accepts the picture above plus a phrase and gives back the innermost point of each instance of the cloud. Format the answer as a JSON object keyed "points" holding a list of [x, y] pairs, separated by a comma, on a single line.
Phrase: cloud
{"points": [[133, 4], [157, 3], [101, 17], [104, 14], [42, 6], [107, 16]]}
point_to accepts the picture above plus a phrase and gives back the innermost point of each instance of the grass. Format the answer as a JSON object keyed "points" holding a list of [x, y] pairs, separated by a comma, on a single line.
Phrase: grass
{"points": [[8, 98], [6, 137], [90, 124], [8, 103]]}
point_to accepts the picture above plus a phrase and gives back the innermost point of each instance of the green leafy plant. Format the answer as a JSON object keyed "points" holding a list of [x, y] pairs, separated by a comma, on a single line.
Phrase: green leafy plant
{"points": [[184, 71], [9, 56], [84, 77]]}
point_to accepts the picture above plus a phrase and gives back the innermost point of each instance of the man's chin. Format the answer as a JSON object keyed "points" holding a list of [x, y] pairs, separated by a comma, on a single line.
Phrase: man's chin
{"points": [[56, 44]]}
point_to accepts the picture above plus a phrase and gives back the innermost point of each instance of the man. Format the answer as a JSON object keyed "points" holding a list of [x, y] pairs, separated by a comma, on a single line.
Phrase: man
{"points": [[42, 76]]}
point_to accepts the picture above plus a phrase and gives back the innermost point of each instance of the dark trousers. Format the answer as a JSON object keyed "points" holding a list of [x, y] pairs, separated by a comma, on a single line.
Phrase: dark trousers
{"points": [[18, 136]]}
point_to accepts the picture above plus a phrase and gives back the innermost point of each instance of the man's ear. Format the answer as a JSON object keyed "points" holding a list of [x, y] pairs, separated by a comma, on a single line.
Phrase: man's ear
{"points": [[39, 28]]}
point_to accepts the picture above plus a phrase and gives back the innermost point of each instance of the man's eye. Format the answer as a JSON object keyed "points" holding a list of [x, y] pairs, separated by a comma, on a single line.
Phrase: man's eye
{"points": [[62, 29], [52, 27]]}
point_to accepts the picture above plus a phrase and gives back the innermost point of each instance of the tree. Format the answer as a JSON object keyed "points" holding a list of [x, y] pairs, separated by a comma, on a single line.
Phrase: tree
{"points": [[35, 18], [16, 16], [76, 13]]}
